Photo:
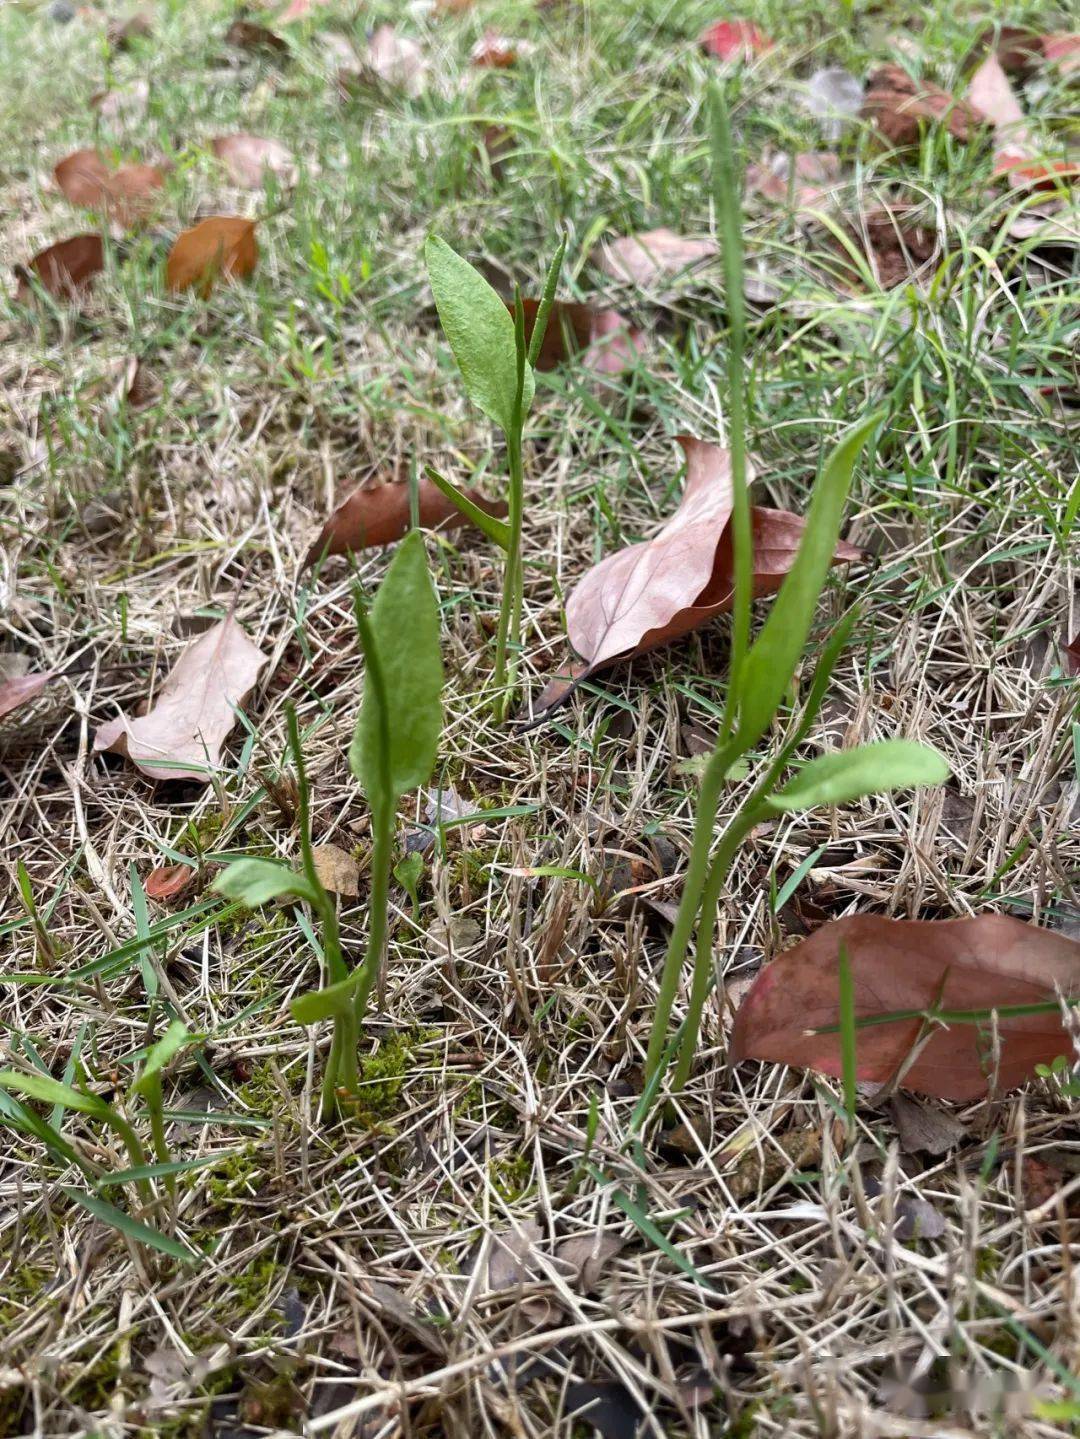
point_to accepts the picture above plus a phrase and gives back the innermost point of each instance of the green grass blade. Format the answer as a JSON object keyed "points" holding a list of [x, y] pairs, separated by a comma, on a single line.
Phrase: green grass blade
{"points": [[132, 1228]]}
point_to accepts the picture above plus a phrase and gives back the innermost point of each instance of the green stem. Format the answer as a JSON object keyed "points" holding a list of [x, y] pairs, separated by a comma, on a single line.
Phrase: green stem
{"points": [[155, 1104], [136, 1153], [508, 639]]}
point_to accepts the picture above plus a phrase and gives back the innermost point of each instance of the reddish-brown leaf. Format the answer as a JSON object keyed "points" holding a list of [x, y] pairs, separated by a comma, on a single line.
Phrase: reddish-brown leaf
{"points": [[900, 107], [1072, 654], [652, 256], [916, 965], [126, 193], [249, 158], [805, 181], [494, 52], [1024, 172], [604, 340], [64, 269], [168, 880], [247, 35], [20, 689], [734, 40], [652, 593], [897, 244], [195, 709], [222, 245], [377, 515]]}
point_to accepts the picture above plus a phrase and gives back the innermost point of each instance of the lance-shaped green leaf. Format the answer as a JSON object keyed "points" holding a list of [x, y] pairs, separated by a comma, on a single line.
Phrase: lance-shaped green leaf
{"points": [[20, 1116], [133, 1228], [52, 1091], [767, 670], [481, 333], [170, 1043], [397, 732], [257, 881], [850, 774], [495, 529], [333, 1002]]}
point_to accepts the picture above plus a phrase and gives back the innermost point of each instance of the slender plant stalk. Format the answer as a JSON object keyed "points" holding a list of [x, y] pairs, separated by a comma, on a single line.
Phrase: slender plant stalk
{"points": [[155, 1103], [136, 1153]]}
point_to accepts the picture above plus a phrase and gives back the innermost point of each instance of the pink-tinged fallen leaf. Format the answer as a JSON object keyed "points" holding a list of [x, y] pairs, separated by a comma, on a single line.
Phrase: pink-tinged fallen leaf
{"points": [[734, 40], [222, 245], [129, 102], [992, 96], [650, 594], [1062, 50], [248, 159], [379, 514], [900, 966], [64, 270], [900, 108], [1071, 650], [397, 60], [494, 52], [168, 880], [298, 10], [652, 256], [20, 689], [126, 194], [1047, 230], [1024, 172], [804, 181], [603, 340], [195, 710]]}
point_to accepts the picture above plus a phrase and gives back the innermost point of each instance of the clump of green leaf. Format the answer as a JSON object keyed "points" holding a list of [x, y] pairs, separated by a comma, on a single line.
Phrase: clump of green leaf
{"points": [[392, 752], [496, 365]]}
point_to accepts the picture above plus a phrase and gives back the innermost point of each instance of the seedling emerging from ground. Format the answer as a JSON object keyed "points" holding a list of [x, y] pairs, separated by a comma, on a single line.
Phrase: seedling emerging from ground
{"points": [[393, 751], [143, 1102], [497, 368], [761, 674]]}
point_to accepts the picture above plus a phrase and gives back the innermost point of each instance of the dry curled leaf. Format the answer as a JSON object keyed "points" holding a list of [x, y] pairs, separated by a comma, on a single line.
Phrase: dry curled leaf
{"points": [[379, 514], [250, 158], [651, 256], [167, 881], [337, 870], [63, 270], [896, 244], [494, 52], [222, 245], [603, 340], [924, 1128], [734, 40], [247, 35], [901, 107], [195, 710], [126, 194], [397, 60], [120, 33], [908, 967], [649, 594], [20, 689], [804, 181], [586, 1257]]}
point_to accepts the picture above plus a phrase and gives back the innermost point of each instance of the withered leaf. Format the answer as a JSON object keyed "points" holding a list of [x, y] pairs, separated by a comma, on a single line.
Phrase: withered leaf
{"points": [[651, 593], [924, 1128], [651, 256], [65, 269], [910, 967], [379, 514], [734, 40], [805, 180], [337, 870], [1063, 51], [222, 245], [247, 35], [900, 107], [250, 158], [991, 96], [20, 689], [1071, 650], [126, 193], [195, 710], [897, 244], [120, 33], [129, 101], [167, 881], [397, 60], [494, 52], [603, 341], [588, 1255]]}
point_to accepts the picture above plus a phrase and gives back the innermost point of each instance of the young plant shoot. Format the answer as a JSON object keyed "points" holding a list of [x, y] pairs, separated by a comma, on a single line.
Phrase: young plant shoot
{"points": [[761, 673], [392, 752], [497, 368]]}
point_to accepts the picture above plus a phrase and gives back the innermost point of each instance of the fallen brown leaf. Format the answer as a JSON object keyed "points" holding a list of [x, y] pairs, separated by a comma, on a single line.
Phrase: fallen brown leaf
{"points": [[120, 33], [247, 35], [912, 966], [1072, 654], [605, 342], [588, 1255], [397, 60], [651, 256], [923, 1128], [494, 52], [221, 245], [126, 193], [250, 158], [896, 243], [64, 270], [804, 181], [1024, 172], [337, 870], [195, 710], [900, 107], [379, 514], [20, 689], [991, 96], [167, 881]]}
